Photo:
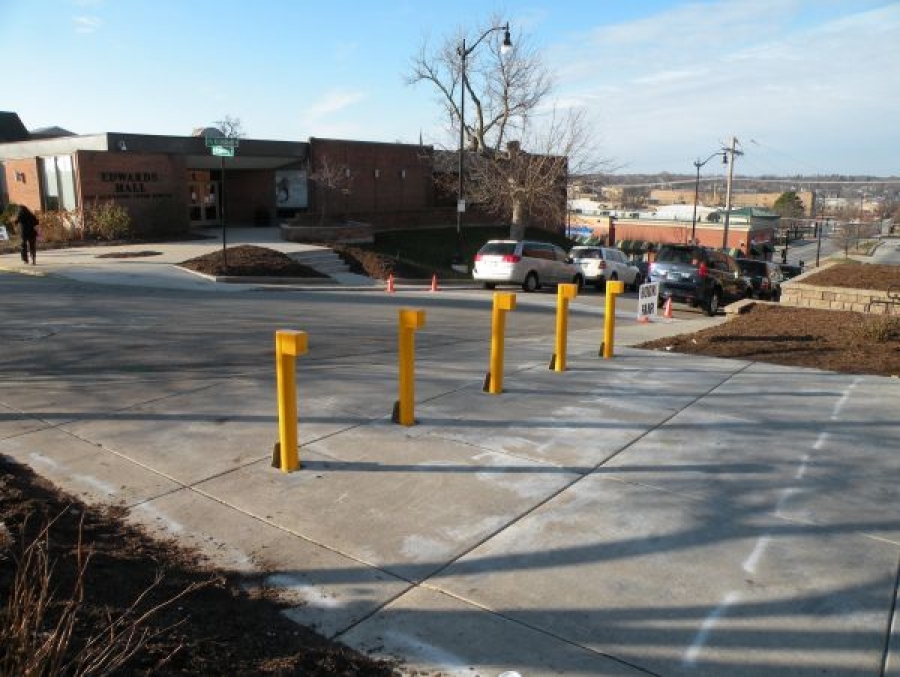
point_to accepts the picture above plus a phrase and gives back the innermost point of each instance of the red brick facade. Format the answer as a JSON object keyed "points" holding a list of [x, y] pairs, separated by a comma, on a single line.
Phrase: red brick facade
{"points": [[150, 186], [23, 182], [382, 182]]}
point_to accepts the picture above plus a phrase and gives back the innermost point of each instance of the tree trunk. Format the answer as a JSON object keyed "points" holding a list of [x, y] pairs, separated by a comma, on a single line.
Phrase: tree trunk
{"points": [[517, 227]]}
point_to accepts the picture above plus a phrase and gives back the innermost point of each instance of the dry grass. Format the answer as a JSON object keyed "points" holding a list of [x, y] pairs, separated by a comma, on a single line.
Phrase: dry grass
{"points": [[39, 622]]}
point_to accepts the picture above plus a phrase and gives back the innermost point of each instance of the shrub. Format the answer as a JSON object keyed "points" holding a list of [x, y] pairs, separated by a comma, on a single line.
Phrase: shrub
{"points": [[877, 329], [106, 221], [6, 217], [56, 226]]}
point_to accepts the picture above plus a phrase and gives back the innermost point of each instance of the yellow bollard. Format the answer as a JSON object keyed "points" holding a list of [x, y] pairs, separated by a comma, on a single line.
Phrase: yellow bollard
{"points": [[613, 289], [564, 294], [503, 301], [404, 410], [288, 345]]}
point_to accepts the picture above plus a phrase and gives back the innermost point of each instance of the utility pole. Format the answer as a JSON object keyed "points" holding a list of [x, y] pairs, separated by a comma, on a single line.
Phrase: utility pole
{"points": [[731, 153]]}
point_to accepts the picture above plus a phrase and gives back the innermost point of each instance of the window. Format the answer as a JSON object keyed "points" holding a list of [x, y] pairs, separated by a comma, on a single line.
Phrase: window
{"points": [[57, 183]]}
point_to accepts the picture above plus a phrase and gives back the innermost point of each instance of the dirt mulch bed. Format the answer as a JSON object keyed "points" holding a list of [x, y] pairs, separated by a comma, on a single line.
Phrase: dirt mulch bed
{"points": [[250, 261], [856, 276], [219, 629], [853, 343]]}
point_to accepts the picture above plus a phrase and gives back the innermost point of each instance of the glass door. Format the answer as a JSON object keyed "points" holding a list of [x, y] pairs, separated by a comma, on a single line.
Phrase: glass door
{"points": [[203, 199]]}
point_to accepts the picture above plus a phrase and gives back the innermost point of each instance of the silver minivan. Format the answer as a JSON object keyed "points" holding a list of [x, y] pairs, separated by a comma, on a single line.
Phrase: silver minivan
{"points": [[528, 263]]}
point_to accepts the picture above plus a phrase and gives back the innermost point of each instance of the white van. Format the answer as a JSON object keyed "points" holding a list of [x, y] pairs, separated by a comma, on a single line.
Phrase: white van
{"points": [[524, 262]]}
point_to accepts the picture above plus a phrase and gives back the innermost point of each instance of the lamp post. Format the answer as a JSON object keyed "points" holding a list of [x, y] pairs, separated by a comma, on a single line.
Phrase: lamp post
{"points": [[698, 165], [464, 52]]}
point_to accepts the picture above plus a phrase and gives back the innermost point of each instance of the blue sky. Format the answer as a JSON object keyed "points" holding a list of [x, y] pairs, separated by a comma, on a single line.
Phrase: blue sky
{"points": [[807, 86]]}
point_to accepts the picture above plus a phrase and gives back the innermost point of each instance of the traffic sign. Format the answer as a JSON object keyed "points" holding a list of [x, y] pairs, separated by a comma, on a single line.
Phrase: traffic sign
{"points": [[224, 142], [221, 151]]}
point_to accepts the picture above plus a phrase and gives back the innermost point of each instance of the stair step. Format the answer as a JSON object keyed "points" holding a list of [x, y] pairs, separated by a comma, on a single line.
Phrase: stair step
{"points": [[323, 260]]}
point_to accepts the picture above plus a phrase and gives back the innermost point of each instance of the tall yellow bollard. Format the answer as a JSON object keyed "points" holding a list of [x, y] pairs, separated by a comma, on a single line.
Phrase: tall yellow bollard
{"points": [[564, 294], [613, 289], [503, 302], [288, 345], [404, 410]]}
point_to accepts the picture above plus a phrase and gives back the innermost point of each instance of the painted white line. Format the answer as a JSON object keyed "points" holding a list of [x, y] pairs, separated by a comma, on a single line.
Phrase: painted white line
{"points": [[313, 596], [442, 660], [690, 656], [841, 402], [751, 562], [801, 470], [823, 438], [785, 497], [152, 511], [100, 485]]}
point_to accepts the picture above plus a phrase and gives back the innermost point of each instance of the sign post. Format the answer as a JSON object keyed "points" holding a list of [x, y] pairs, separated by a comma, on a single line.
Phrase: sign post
{"points": [[648, 298], [222, 147]]}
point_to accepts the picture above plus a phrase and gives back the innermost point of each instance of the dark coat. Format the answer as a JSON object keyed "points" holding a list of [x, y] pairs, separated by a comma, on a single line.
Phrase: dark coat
{"points": [[27, 222]]}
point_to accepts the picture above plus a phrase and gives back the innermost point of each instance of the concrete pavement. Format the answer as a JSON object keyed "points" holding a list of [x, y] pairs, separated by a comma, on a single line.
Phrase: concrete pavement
{"points": [[654, 514]]}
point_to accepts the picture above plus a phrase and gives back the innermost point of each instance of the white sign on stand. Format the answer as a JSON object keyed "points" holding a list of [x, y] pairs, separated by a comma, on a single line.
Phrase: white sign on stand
{"points": [[648, 298]]}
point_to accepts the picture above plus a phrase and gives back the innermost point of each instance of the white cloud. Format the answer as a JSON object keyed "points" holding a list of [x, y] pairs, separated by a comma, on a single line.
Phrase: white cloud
{"points": [[87, 24], [669, 86], [332, 103]]}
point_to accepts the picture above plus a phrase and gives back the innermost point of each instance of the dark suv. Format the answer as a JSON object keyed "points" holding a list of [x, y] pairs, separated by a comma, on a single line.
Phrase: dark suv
{"points": [[698, 276], [764, 277]]}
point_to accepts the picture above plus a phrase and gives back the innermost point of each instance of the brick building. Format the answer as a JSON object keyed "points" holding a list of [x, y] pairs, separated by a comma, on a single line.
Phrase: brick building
{"points": [[170, 183]]}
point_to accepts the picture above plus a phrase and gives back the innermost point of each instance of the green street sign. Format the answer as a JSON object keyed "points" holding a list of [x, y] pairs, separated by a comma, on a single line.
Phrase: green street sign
{"points": [[224, 142], [222, 152]]}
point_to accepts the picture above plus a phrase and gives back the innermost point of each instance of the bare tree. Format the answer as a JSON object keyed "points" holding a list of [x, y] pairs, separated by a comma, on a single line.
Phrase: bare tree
{"points": [[520, 149], [231, 127], [329, 178]]}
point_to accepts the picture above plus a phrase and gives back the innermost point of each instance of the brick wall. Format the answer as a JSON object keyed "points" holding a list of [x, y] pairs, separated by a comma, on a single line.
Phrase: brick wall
{"points": [[384, 177], [249, 194], [26, 190], [150, 186]]}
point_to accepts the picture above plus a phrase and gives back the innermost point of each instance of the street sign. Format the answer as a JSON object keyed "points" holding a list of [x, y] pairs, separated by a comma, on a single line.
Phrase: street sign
{"points": [[221, 151], [223, 142]]}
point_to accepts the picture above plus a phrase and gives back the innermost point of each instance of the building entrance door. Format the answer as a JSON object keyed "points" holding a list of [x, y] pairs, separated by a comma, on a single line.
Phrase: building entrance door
{"points": [[203, 199]]}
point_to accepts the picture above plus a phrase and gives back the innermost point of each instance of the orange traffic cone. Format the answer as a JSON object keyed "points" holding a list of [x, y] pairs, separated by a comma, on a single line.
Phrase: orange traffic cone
{"points": [[434, 286], [390, 287], [667, 309]]}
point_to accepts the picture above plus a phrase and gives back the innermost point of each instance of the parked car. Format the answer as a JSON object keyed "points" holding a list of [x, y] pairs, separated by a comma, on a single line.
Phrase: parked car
{"points": [[765, 278], [527, 263], [699, 276], [789, 270], [599, 265]]}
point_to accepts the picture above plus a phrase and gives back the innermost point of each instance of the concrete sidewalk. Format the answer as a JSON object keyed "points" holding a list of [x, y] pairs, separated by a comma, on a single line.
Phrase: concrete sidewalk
{"points": [[653, 514]]}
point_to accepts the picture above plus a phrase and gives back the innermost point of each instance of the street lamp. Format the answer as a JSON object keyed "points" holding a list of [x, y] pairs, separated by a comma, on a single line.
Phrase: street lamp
{"points": [[464, 52], [698, 165]]}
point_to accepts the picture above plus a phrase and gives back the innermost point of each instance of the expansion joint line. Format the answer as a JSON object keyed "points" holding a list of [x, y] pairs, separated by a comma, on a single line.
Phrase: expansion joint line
{"points": [[886, 657], [424, 583]]}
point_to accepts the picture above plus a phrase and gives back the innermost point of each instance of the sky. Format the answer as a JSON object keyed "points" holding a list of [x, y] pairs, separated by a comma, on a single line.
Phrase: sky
{"points": [[806, 86]]}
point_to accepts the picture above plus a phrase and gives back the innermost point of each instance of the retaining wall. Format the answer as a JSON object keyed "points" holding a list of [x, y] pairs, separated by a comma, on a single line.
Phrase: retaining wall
{"points": [[798, 293]]}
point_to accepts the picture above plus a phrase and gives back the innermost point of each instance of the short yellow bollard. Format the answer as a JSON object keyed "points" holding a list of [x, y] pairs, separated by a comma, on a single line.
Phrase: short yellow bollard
{"points": [[503, 302], [404, 410], [613, 289], [288, 345], [564, 294]]}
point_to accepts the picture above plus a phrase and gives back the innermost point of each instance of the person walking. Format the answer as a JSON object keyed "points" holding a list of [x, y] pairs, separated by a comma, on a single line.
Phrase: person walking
{"points": [[27, 224]]}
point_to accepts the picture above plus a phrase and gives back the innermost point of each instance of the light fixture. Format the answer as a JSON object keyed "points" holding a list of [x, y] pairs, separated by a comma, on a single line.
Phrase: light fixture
{"points": [[506, 46], [464, 52]]}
